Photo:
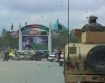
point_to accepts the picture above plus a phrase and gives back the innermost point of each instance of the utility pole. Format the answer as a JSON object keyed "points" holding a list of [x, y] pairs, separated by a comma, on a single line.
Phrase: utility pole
{"points": [[68, 27]]}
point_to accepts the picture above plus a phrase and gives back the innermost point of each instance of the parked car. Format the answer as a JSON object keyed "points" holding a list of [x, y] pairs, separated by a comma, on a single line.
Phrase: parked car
{"points": [[22, 55], [61, 61], [35, 55], [31, 54], [57, 51], [52, 57], [38, 55], [46, 54]]}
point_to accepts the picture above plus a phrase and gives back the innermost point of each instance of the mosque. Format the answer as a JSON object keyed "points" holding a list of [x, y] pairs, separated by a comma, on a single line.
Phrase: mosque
{"points": [[58, 27]]}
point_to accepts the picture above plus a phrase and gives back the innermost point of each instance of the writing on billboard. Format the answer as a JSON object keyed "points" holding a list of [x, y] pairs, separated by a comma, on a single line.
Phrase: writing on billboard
{"points": [[35, 42]]}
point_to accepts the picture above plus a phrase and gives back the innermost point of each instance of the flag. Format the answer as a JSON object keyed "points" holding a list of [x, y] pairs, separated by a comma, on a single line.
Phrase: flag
{"points": [[59, 27], [12, 27], [54, 34], [4, 32], [15, 34]]}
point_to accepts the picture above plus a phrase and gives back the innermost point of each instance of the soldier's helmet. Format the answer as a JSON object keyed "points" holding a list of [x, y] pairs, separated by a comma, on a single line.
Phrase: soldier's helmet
{"points": [[92, 17]]}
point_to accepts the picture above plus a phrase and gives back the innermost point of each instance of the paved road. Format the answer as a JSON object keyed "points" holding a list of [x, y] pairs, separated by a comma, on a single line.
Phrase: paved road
{"points": [[30, 72]]}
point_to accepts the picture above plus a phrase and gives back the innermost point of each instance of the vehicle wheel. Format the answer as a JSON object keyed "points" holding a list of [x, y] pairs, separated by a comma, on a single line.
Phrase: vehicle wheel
{"points": [[25, 58], [56, 60], [51, 60], [60, 63], [38, 58], [11, 58], [30, 58], [95, 59]]}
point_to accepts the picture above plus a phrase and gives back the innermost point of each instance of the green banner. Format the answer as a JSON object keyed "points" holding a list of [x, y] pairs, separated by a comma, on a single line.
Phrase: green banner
{"points": [[44, 28]]}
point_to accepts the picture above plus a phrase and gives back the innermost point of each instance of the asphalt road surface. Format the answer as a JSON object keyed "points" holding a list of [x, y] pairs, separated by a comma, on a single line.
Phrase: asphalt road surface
{"points": [[25, 71]]}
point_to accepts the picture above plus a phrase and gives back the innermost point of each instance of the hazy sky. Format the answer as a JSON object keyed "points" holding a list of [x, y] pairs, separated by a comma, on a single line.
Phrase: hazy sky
{"points": [[46, 11]]}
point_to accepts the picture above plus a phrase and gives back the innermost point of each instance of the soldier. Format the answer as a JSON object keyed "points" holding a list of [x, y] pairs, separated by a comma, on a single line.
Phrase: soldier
{"points": [[91, 22], [16, 55], [59, 54], [6, 55]]}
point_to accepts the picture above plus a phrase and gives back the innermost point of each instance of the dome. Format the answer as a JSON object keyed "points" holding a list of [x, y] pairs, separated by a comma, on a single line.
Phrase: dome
{"points": [[58, 26]]}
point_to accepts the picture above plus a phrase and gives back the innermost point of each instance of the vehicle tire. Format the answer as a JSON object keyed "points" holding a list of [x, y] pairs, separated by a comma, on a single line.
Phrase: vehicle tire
{"points": [[11, 58], [38, 58], [95, 59], [31, 58], [51, 60]]}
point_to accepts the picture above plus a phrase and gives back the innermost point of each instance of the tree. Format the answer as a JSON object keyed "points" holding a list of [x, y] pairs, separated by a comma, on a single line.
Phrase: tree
{"points": [[73, 38], [9, 41], [62, 40], [1, 41]]}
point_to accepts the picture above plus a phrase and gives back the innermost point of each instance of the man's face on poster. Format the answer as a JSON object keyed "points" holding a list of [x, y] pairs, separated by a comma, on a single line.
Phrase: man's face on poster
{"points": [[28, 42]]}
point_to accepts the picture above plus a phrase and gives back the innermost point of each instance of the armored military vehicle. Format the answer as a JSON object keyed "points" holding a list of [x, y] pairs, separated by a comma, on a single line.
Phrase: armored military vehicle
{"points": [[85, 62]]}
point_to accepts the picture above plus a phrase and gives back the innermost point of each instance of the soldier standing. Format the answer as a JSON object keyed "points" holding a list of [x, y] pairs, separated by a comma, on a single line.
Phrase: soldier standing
{"points": [[16, 55], [59, 54], [91, 22], [6, 55]]}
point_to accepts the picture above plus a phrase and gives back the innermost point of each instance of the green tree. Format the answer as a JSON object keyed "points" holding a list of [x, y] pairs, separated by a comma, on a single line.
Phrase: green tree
{"points": [[1, 42], [73, 38], [9, 41], [62, 40]]}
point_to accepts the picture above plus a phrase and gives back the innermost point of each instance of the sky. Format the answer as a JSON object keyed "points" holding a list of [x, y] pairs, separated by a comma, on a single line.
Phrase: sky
{"points": [[48, 11]]}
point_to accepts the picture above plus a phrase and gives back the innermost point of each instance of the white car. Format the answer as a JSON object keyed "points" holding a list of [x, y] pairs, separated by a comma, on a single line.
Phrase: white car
{"points": [[51, 57]]}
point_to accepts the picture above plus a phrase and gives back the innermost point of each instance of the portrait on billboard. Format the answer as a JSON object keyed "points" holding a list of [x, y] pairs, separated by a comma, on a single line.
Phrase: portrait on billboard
{"points": [[35, 42], [27, 43]]}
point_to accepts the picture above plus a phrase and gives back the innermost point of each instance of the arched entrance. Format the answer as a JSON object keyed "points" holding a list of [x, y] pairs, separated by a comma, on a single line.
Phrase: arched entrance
{"points": [[34, 37]]}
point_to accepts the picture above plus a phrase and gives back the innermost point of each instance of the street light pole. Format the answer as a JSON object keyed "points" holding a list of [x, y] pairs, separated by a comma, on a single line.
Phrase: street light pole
{"points": [[68, 63], [68, 27]]}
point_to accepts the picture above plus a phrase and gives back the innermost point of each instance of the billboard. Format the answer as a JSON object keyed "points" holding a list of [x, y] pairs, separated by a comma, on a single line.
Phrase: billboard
{"points": [[34, 29], [35, 42], [34, 37]]}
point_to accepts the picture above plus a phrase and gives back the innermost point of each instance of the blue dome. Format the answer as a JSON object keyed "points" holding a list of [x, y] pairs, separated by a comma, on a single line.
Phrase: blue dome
{"points": [[58, 26]]}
